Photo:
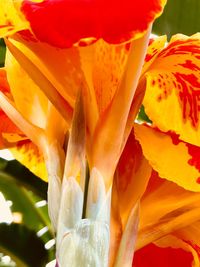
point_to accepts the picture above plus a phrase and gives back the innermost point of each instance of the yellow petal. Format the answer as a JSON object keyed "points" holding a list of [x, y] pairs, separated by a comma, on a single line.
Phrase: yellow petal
{"points": [[28, 97], [172, 95], [173, 159], [33, 132], [62, 68], [26, 60], [30, 156], [11, 19]]}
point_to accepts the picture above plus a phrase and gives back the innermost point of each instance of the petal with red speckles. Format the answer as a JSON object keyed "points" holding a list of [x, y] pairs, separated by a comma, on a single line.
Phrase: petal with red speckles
{"points": [[155, 47], [172, 99], [29, 155], [174, 159], [64, 23]]}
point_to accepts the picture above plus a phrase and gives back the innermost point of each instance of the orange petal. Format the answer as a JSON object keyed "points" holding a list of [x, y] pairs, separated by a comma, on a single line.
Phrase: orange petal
{"points": [[165, 208], [29, 155], [10, 134], [109, 133], [172, 158], [131, 178], [191, 233], [130, 181], [75, 156], [108, 64], [4, 86], [103, 66], [172, 99]]}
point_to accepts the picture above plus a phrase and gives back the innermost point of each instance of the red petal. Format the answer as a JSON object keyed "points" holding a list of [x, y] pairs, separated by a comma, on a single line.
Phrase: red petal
{"points": [[153, 256], [4, 86], [9, 133], [65, 22]]}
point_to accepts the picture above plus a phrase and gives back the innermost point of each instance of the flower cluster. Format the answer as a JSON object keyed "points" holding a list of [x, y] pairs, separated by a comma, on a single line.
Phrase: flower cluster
{"points": [[75, 77]]}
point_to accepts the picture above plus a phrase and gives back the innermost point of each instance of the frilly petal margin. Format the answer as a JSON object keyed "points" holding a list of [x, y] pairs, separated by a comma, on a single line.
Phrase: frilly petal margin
{"points": [[174, 159], [64, 23]]}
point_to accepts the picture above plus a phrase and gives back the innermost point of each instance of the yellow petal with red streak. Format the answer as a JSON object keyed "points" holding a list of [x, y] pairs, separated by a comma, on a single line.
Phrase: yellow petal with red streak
{"points": [[172, 158], [29, 155], [172, 99], [11, 19], [154, 48]]}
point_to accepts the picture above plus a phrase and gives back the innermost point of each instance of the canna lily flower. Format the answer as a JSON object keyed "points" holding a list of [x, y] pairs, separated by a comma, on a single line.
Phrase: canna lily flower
{"points": [[89, 80]]}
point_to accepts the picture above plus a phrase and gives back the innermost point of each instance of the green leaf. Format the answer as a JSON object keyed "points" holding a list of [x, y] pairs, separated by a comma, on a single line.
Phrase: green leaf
{"points": [[24, 189], [22, 245], [24, 177], [179, 16], [2, 52], [22, 202], [142, 116]]}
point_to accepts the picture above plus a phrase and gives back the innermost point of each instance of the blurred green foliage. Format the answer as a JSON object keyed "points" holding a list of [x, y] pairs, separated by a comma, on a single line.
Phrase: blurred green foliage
{"points": [[179, 16]]}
